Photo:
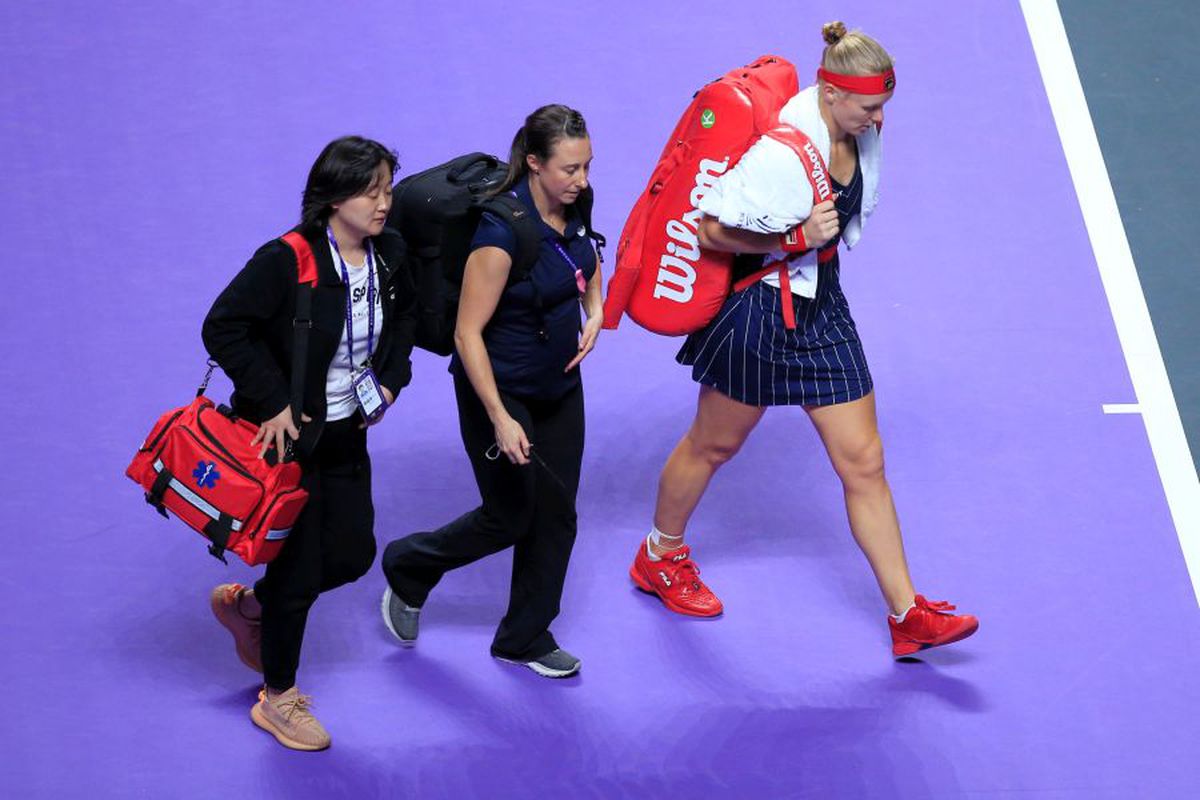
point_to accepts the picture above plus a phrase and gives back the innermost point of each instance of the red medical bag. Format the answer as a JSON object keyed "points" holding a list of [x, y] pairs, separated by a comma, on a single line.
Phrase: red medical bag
{"points": [[198, 462]]}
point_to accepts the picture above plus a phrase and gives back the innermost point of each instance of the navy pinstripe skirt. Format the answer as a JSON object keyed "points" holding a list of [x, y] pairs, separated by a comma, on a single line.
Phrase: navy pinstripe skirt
{"points": [[748, 354]]}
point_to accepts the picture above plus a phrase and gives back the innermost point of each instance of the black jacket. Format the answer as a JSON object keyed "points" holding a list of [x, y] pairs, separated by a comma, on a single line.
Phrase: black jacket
{"points": [[249, 332]]}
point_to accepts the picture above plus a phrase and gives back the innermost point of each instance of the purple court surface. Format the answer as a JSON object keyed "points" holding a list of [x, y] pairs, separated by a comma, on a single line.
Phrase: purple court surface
{"points": [[149, 148]]}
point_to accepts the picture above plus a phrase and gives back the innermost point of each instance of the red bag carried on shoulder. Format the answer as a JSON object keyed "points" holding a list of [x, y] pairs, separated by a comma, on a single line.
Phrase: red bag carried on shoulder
{"points": [[664, 280], [197, 461]]}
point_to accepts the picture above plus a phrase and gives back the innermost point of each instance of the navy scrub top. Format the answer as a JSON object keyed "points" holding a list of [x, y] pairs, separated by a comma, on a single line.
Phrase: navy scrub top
{"points": [[524, 363]]}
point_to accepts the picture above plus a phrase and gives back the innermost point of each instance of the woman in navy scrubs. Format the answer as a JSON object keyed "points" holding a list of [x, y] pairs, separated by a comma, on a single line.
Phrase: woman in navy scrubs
{"points": [[520, 401]]}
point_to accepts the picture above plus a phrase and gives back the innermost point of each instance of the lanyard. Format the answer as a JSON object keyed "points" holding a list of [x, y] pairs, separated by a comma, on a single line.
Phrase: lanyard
{"points": [[349, 305], [580, 282]]}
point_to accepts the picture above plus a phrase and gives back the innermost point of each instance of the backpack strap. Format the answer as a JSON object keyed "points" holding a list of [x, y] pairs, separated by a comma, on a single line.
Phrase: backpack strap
{"points": [[529, 241], [524, 226], [528, 236], [584, 203], [306, 272]]}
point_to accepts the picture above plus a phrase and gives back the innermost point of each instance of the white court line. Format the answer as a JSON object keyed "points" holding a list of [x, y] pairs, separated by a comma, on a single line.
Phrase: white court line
{"points": [[1122, 408], [1119, 275]]}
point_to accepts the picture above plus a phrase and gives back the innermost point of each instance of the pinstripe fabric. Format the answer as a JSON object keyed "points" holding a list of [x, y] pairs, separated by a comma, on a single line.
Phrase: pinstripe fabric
{"points": [[748, 354]]}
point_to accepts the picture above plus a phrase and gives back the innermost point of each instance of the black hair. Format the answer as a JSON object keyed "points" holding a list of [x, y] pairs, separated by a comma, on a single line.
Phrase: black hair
{"points": [[542, 130], [345, 169]]}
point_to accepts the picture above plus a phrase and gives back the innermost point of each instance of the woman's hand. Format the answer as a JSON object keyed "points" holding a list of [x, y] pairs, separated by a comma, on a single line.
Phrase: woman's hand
{"points": [[822, 224], [511, 439], [275, 430], [587, 339]]}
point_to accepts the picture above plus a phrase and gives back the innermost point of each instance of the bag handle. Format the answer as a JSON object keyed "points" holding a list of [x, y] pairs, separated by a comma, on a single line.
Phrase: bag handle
{"points": [[454, 175]]}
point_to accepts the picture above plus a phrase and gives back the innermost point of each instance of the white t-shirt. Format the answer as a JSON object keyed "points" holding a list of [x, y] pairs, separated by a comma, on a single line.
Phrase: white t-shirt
{"points": [[339, 388]]}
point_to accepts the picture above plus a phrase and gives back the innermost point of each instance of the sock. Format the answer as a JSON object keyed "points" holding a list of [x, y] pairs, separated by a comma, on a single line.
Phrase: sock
{"points": [[649, 551], [656, 537], [900, 617]]}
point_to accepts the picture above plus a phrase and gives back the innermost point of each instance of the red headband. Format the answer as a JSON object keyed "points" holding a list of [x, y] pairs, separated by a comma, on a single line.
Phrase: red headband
{"points": [[860, 84]]}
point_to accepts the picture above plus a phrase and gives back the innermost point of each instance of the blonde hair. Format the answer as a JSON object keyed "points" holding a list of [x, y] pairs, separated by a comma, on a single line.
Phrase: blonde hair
{"points": [[852, 53]]}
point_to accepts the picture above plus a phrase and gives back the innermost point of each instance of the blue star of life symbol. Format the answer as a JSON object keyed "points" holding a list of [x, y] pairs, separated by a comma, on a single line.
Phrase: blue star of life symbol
{"points": [[206, 474]]}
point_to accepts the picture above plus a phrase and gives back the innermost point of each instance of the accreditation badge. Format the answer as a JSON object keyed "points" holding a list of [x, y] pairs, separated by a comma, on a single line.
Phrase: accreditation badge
{"points": [[371, 402]]}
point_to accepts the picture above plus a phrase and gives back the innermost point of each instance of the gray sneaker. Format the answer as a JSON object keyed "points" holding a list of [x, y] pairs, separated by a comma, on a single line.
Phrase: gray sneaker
{"points": [[555, 664], [401, 619]]}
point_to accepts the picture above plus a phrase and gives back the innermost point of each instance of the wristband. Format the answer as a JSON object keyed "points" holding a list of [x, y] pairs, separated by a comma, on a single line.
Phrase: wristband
{"points": [[792, 241]]}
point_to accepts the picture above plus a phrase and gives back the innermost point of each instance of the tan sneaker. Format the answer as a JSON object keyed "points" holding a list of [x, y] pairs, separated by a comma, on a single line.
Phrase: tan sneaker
{"points": [[226, 603], [286, 717]]}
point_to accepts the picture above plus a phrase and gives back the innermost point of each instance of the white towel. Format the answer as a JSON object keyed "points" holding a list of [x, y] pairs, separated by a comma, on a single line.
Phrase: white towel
{"points": [[768, 190]]}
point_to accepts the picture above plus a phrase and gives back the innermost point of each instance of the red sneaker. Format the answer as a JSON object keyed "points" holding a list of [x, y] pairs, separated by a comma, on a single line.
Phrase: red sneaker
{"points": [[676, 581], [929, 624]]}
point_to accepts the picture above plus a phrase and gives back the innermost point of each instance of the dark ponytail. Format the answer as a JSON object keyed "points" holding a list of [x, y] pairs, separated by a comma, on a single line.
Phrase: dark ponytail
{"points": [[345, 169], [542, 130]]}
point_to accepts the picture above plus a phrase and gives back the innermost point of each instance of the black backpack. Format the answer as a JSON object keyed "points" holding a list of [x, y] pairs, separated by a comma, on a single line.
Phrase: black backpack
{"points": [[437, 211]]}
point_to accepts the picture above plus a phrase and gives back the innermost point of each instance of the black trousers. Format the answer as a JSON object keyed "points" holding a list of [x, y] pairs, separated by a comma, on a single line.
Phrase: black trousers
{"points": [[331, 544], [530, 508]]}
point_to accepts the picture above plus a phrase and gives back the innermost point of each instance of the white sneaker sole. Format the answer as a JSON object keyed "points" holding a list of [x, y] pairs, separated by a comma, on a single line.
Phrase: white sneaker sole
{"points": [[387, 619], [544, 671]]}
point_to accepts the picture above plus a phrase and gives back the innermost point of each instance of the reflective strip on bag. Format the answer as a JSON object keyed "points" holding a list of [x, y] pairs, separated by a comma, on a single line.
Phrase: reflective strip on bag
{"points": [[194, 500], [279, 534]]}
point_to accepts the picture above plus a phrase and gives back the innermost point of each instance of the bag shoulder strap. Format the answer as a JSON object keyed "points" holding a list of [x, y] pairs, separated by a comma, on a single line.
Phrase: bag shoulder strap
{"points": [[524, 226], [810, 157], [306, 271]]}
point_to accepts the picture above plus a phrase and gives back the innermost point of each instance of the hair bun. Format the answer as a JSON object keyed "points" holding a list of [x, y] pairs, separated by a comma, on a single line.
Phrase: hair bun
{"points": [[832, 32]]}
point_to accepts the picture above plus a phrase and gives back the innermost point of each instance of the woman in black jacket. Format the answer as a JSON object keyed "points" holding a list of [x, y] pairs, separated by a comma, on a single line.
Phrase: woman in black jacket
{"points": [[520, 400], [362, 312]]}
